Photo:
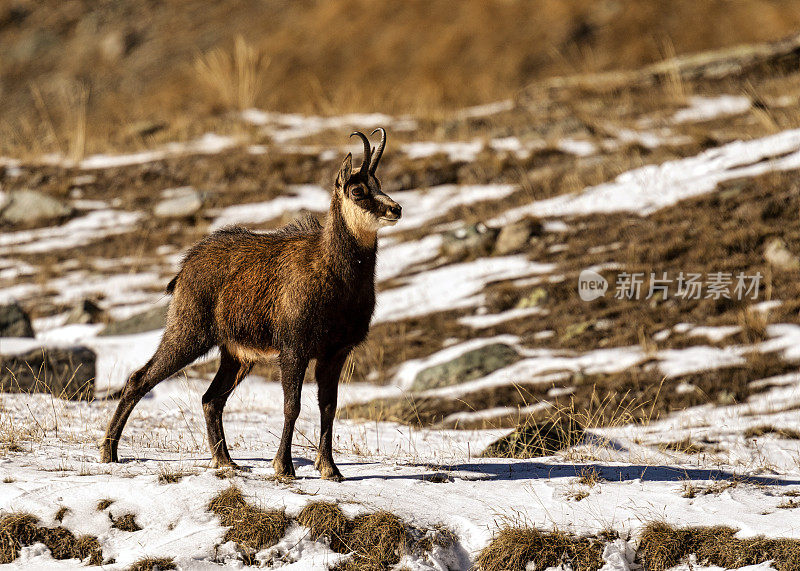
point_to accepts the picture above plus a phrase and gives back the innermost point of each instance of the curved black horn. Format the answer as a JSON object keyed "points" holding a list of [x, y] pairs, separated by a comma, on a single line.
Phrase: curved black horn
{"points": [[379, 152], [367, 151]]}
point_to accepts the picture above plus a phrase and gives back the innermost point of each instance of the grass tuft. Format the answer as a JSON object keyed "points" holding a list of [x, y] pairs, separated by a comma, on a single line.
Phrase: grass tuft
{"points": [[252, 528], [761, 430], [104, 504], [535, 439], [234, 77], [590, 476], [153, 564], [21, 529], [514, 549], [326, 520], [126, 522], [168, 475], [663, 546], [684, 445], [377, 540]]}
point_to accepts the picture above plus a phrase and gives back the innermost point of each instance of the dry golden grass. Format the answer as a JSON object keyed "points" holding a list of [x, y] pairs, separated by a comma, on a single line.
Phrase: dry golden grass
{"points": [[170, 475], [125, 522], [365, 56], [762, 429], [532, 440], [251, 528], [153, 564], [235, 78], [590, 477], [61, 513], [19, 529], [326, 521], [685, 445], [513, 548], [375, 540], [663, 546], [104, 504]]}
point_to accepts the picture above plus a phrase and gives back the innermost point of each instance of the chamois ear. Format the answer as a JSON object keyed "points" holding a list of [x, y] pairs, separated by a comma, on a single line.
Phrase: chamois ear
{"points": [[345, 170]]}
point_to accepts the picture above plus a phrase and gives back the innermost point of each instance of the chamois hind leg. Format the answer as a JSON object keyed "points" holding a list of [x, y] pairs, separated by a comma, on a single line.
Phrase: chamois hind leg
{"points": [[230, 374], [176, 350], [327, 374], [293, 369]]}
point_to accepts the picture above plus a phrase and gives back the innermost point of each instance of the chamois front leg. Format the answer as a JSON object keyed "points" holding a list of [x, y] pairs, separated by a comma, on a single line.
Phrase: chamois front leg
{"points": [[327, 373], [293, 369]]}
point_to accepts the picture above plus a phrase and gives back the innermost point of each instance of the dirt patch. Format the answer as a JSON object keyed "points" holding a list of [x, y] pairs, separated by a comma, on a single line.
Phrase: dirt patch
{"points": [[638, 394]]}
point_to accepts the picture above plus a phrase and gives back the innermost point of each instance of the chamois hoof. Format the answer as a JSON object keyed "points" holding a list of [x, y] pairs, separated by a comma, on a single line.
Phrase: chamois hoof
{"points": [[328, 471], [283, 471], [332, 475], [224, 463]]}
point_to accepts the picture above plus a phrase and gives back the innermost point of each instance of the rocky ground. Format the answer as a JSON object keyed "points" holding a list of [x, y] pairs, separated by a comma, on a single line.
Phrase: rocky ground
{"points": [[673, 400]]}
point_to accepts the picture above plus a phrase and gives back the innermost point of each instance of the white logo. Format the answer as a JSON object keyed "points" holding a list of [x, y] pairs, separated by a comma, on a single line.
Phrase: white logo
{"points": [[591, 285]]}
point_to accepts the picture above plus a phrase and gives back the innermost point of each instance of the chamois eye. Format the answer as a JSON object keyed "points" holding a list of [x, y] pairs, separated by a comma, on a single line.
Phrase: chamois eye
{"points": [[357, 192]]}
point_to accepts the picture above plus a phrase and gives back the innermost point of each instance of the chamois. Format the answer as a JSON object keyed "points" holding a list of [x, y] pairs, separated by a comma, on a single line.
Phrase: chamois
{"points": [[305, 291]]}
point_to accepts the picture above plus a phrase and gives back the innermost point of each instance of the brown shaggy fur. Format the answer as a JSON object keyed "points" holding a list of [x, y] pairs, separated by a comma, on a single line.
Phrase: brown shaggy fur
{"points": [[306, 291]]}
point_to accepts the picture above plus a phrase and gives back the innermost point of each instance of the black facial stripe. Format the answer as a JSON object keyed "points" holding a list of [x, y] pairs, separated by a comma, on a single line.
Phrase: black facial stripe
{"points": [[373, 206]]}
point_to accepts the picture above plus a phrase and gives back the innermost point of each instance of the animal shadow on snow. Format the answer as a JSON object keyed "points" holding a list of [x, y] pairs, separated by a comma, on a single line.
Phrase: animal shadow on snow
{"points": [[530, 470]]}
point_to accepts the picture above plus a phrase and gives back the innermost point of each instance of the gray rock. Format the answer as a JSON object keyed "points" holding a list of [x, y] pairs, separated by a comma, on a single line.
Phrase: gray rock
{"points": [[471, 241], [14, 322], [150, 320], [86, 311], [471, 365], [778, 256], [515, 236], [30, 206], [179, 203], [63, 372]]}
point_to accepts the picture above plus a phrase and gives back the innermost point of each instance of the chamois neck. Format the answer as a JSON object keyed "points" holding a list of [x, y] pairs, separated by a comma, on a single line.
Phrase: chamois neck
{"points": [[346, 252]]}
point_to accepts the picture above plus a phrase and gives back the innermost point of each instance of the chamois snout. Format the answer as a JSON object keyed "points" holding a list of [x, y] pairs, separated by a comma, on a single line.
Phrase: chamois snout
{"points": [[393, 212]]}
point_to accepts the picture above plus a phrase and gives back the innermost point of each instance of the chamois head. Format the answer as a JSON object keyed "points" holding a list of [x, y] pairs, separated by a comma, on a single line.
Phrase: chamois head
{"points": [[364, 206]]}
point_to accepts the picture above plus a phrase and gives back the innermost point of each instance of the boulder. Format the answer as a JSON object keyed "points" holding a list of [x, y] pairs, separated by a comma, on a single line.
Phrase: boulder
{"points": [[150, 320], [466, 367], [67, 372], [779, 257], [536, 439], [30, 207], [14, 322], [179, 203], [470, 241], [86, 311], [515, 236]]}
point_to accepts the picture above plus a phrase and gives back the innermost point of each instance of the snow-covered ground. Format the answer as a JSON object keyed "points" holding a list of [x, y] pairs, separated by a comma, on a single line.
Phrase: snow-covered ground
{"points": [[427, 476], [387, 466]]}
